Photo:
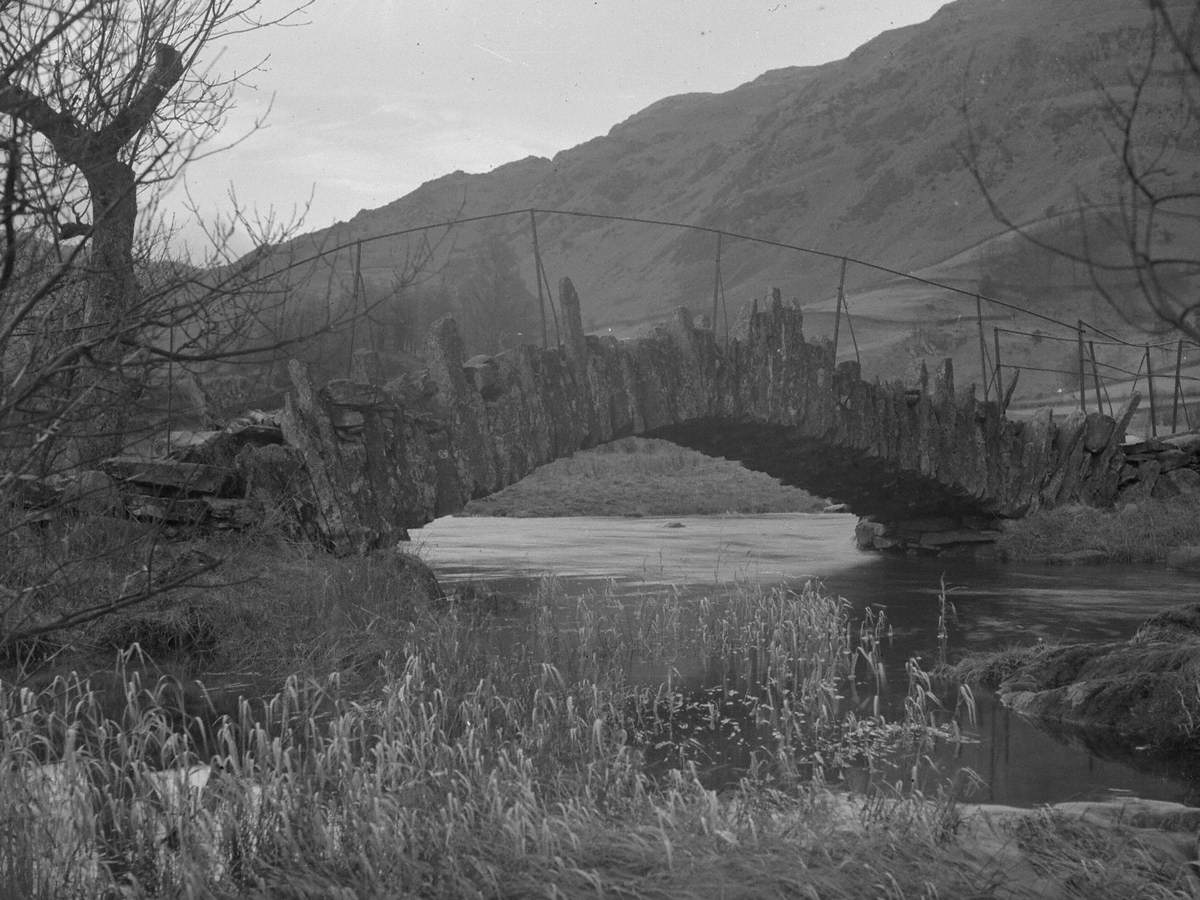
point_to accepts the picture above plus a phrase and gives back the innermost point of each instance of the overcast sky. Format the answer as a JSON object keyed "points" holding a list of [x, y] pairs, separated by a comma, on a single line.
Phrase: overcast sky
{"points": [[367, 99]]}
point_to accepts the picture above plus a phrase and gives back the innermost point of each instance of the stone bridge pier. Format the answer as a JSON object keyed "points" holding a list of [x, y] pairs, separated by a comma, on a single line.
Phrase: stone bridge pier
{"points": [[927, 465]]}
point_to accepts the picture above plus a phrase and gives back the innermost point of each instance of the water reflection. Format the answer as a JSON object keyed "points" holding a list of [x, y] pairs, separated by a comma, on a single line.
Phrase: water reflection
{"points": [[994, 605]]}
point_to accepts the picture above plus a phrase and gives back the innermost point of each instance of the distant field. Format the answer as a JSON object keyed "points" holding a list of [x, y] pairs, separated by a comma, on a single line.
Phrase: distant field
{"points": [[643, 477]]}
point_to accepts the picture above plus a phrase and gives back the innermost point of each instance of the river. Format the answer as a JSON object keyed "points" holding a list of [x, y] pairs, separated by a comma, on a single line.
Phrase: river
{"points": [[995, 605]]}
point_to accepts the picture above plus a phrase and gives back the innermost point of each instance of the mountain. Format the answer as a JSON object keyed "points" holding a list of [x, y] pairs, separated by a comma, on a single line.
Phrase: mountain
{"points": [[862, 157]]}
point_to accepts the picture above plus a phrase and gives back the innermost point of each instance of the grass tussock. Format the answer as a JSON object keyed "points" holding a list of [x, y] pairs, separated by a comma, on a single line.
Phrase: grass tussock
{"points": [[990, 669], [1134, 533], [452, 753], [643, 477]]}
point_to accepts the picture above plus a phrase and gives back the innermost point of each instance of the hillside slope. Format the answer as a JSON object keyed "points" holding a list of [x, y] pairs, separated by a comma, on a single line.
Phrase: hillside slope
{"points": [[862, 156]]}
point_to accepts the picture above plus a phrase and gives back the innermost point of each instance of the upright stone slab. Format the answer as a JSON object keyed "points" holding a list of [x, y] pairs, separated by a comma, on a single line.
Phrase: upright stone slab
{"points": [[336, 483], [574, 342], [893, 452], [464, 412]]}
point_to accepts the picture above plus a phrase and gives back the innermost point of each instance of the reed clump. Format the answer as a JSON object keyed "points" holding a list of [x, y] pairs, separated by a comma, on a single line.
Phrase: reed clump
{"points": [[486, 757]]}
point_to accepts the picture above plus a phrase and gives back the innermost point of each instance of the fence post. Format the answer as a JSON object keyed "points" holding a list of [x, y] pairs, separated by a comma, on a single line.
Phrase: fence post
{"points": [[1096, 378], [999, 377], [1082, 376], [170, 385], [1178, 391], [358, 281], [716, 284], [1150, 384], [983, 367], [837, 316], [537, 276]]}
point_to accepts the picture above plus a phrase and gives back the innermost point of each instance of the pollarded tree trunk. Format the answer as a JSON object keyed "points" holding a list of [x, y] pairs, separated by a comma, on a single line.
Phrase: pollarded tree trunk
{"points": [[101, 403], [112, 295]]}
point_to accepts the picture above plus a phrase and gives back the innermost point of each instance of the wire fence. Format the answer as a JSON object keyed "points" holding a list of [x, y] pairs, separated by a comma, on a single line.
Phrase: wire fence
{"points": [[1066, 364]]}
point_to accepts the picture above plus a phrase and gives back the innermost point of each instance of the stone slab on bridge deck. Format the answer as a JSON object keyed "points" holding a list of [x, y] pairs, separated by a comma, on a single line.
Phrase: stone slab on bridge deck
{"points": [[924, 461]]}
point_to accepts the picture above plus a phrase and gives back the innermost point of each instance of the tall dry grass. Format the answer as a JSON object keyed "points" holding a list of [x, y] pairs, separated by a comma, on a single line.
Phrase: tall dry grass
{"points": [[488, 757]]}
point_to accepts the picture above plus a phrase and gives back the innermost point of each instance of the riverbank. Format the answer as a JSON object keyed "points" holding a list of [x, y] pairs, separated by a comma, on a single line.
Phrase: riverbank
{"points": [[441, 755], [643, 477], [1137, 697], [1143, 532]]}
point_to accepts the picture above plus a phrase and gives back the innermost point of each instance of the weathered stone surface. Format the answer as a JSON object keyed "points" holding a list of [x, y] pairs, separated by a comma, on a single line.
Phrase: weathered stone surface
{"points": [[573, 340], [1188, 442], [220, 448], [867, 533], [350, 520], [353, 394], [484, 375], [173, 510], [958, 536], [236, 512], [1098, 431], [771, 399], [164, 473]]}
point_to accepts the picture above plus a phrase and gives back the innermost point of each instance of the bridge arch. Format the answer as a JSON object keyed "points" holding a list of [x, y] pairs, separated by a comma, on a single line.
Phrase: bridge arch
{"points": [[916, 459]]}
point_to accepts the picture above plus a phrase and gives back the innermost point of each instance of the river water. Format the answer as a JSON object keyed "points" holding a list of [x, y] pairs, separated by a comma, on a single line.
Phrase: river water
{"points": [[995, 605]]}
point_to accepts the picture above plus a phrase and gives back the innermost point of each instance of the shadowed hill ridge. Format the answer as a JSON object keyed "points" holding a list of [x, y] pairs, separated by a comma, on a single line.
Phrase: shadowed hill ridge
{"points": [[860, 156]]}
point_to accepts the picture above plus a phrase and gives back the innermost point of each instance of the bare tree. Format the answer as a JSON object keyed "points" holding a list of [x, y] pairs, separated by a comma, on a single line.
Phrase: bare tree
{"points": [[102, 104], [1137, 233], [105, 100]]}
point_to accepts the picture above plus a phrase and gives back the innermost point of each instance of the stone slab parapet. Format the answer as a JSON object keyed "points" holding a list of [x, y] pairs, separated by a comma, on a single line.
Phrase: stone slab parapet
{"points": [[384, 458]]}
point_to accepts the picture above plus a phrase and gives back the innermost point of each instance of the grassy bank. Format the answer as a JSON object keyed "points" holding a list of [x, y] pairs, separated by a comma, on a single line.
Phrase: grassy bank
{"points": [[1137, 532], [643, 477], [446, 752]]}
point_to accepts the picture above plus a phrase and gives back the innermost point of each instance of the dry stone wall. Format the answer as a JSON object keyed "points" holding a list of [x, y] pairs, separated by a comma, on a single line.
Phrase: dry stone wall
{"points": [[928, 465]]}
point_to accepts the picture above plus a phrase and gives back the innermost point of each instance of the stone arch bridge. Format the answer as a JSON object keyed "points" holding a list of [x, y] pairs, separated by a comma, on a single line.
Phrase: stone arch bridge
{"points": [[925, 465]]}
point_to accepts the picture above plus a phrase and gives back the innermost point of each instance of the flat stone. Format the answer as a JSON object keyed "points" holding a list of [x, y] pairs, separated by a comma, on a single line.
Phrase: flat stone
{"points": [[195, 478], [931, 523], [1188, 442], [175, 510], [958, 536], [1152, 446], [343, 392], [234, 512]]}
